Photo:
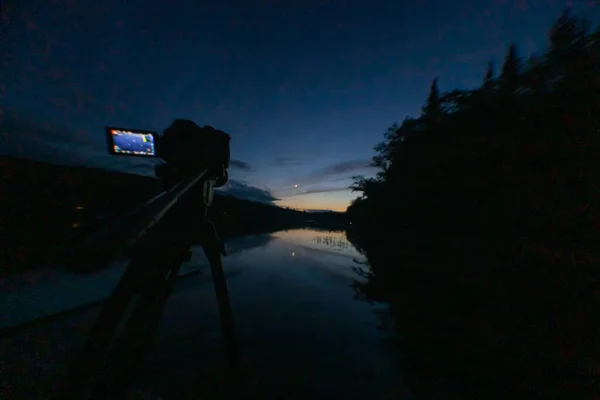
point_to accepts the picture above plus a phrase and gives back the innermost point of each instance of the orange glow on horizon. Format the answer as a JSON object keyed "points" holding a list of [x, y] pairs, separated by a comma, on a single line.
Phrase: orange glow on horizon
{"points": [[317, 204]]}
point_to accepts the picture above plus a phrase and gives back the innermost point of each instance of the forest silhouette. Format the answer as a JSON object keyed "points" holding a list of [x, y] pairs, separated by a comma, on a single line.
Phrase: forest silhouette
{"points": [[481, 227], [47, 210]]}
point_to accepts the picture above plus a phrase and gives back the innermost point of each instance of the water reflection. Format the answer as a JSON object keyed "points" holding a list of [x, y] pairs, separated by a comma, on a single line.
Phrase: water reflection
{"points": [[239, 244], [325, 240], [332, 242], [300, 330]]}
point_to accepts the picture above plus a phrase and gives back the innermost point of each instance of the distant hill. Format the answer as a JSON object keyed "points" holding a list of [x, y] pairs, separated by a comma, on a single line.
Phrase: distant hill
{"points": [[45, 207]]}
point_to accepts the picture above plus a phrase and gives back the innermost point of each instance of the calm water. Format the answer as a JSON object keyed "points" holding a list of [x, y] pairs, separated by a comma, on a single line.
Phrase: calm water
{"points": [[300, 331]]}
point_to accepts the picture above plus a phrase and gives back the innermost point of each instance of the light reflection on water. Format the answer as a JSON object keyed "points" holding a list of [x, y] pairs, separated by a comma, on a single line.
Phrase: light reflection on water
{"points": [[300, 329], [331, 241], [320, 256]]}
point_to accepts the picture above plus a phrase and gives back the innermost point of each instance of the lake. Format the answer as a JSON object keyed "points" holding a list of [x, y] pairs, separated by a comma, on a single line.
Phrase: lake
{"points": [[299, 329]]}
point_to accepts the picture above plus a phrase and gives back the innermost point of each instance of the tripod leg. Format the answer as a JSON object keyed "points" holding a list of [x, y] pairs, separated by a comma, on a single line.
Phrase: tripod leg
{"points": [[130, 347], [213, 249], [101, 334]]}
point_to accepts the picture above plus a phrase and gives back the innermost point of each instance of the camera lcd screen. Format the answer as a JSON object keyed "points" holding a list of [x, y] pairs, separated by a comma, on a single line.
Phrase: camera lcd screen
{"points": [[128, 142]]}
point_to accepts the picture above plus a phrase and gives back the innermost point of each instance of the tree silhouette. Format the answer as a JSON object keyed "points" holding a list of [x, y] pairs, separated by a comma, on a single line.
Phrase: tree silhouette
{"points": [[489, 76], [432, 109], [490, 200], [510, 70]]}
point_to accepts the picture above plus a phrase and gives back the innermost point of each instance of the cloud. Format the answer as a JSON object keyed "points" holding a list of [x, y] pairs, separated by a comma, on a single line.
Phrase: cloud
{"points": [[332, 170], [244, 166], [319, 190], [347, 166], [244, 191], [332, 178]]}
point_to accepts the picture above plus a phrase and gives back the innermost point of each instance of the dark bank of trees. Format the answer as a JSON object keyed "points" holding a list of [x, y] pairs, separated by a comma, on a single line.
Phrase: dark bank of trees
{"points": [[482, 227], [234, 216], [45, 209]]}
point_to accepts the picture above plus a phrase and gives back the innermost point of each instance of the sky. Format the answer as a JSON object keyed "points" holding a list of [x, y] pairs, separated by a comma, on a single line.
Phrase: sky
{"points": [[305, 88]]}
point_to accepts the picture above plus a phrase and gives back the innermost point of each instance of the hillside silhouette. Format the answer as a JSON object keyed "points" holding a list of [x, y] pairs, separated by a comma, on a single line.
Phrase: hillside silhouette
{"points": [[46, 208], [482, 228]]}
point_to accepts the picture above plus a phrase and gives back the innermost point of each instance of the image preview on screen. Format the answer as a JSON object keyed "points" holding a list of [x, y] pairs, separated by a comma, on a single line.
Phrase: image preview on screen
{"points": [[133, 143]]}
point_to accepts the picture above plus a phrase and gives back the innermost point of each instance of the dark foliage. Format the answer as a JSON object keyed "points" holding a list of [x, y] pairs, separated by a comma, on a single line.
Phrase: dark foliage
{"points": [[482, 228]]}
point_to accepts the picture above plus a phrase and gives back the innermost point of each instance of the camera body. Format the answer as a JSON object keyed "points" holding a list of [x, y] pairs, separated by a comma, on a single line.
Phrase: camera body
{"points": [[186, 147], [191, 147]]}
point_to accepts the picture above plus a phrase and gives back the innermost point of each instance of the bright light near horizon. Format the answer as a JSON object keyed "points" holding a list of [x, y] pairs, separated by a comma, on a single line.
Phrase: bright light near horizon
{"points": [[296, 186]]}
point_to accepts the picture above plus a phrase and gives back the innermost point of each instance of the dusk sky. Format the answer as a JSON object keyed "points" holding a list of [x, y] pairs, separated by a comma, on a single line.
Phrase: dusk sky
{"points": [[305, 88]]}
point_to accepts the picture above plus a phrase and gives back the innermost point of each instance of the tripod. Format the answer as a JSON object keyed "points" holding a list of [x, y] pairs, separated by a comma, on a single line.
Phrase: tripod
{"points": [[106, 365]]}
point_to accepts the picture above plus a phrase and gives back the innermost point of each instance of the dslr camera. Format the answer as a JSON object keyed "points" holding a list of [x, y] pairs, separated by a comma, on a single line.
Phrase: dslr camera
{"points": [[187, 148]]}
